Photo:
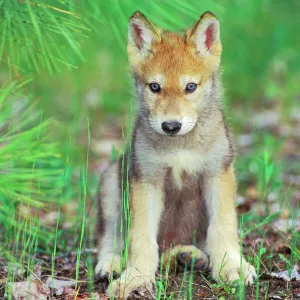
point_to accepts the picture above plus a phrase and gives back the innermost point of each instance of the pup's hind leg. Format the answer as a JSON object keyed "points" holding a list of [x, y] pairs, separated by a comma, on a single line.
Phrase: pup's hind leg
{"points": [[109, 239], [187, 256]]}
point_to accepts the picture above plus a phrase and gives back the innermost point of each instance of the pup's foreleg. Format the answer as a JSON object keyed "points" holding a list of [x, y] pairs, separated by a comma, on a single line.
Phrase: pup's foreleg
{"points": [[222, 244], [146, 208]]}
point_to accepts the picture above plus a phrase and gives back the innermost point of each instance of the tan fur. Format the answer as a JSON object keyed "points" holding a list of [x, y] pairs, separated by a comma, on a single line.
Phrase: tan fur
{"points": [[182, 187], [147, 204], [222, 239]]}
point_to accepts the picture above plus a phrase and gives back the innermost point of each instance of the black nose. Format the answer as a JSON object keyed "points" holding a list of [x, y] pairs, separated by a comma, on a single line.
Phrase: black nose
{"points": [[171, 127]]}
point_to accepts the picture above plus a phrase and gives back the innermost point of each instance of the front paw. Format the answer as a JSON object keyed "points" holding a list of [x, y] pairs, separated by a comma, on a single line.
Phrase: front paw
{"points": [[132, 281], [233, 269], [108, 266]]}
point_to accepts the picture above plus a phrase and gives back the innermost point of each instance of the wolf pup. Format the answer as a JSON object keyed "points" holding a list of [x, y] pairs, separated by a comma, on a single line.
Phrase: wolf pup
{"points": [[182, 181]]}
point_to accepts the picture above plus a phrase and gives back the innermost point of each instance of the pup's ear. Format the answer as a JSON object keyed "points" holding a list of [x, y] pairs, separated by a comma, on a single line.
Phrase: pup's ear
{"points": [[205, 35], [142, 33]]}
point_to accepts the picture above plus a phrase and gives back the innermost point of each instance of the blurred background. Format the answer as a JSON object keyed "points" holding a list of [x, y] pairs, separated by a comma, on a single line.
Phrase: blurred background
{"points": [[67, 99]]}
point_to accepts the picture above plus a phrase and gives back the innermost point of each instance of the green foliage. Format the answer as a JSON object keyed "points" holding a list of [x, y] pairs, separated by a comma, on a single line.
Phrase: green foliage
{"points": [[260, 51], [38, 35], [27, 153], [31, 174]]}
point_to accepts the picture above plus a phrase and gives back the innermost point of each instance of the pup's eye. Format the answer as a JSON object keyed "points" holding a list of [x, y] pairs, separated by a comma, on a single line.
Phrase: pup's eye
{"points": [[191, 87], [154, 87]]}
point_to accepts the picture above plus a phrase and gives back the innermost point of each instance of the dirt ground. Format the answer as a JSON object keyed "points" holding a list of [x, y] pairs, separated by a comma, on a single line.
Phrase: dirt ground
{"points": [[204, 287]]}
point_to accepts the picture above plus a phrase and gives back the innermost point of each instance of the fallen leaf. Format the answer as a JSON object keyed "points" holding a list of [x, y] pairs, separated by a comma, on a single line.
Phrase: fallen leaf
{"points": [[68, 293], [16, 269], [36, 273], [285, 225], [29, 290], [59, 285], [94, 296], [279, 208], [286, 276]]}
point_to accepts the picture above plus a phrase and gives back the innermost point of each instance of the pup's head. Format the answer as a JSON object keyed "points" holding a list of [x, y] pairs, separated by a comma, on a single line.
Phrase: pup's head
{"points": [[173, 72]]}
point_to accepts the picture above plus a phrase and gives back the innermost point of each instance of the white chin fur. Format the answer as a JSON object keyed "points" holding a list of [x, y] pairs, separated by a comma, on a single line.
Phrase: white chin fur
{"points": [[187, 124]]}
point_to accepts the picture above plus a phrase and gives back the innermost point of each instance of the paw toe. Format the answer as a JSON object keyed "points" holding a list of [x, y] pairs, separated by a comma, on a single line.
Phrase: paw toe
{"points": [[107, 268], [186, 259], [232, 276], [250, 275], [246, 272], [143, 293], [201, 264], [115, 275], [106, 276]]}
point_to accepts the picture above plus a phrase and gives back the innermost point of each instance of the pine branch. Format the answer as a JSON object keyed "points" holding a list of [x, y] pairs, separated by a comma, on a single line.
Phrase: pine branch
{"points": [[37, 36], [27, 153]]}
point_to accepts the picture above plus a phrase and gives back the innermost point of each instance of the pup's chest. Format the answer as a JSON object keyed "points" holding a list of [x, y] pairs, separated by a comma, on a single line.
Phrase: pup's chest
{"points": [[190, 162], [184, 217]]}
